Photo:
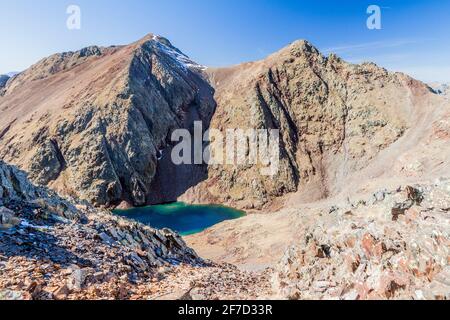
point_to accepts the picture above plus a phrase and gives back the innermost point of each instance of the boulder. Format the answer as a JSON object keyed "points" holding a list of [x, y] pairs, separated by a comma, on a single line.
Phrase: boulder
{"points": [[8, 218], [14, 295]]}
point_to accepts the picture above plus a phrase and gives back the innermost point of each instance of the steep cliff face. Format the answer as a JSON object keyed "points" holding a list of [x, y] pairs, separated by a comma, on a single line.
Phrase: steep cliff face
{"points": [[93, 123], [334, 118]]}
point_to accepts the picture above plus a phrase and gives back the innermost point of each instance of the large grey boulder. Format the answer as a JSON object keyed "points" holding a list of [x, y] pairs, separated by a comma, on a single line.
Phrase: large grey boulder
{"points": [[7, 218]]}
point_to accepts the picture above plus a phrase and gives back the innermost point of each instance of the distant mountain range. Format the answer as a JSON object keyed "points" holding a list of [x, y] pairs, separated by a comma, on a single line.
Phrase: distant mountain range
{"points": [[3, 80], [440, 88], [5, 77], [12, 74]]}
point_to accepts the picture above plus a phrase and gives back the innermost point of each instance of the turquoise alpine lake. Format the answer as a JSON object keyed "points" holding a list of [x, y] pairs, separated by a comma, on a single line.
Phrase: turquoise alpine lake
{"points": [[181, 217]]}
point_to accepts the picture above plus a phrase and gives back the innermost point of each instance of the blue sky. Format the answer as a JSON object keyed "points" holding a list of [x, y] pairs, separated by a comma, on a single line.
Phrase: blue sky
{"points": [[415, 34]]}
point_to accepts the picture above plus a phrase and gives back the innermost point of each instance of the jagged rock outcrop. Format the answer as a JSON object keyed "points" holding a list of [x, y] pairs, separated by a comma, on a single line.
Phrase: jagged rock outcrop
{"points": [[334, 118], [16, 188], [392, 245], [93, 123], [40, 203]]}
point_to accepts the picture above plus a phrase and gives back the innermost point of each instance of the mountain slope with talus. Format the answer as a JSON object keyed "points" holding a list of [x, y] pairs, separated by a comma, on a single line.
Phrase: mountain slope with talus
{"points": [[367, 153], [57, 248], [336, 120]]}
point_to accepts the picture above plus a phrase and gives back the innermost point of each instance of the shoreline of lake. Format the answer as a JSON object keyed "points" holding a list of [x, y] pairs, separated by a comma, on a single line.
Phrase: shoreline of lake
{"points": [[186, 219]]}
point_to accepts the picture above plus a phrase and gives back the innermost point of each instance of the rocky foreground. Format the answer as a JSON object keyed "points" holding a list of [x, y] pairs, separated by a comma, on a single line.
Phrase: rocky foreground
{"points": [[53, 249], [390, 244], [393, 244]]}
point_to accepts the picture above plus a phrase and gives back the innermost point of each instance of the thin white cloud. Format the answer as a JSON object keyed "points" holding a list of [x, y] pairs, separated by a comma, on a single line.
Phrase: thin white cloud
{"points": [[428, 73], [381, 59], [397, 55], [368, 46]]}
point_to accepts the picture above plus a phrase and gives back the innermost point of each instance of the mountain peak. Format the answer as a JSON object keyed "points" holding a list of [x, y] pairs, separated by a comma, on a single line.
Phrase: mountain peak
{"points": [[151, 37], [163, 45], [298, 48], [303, 46]]}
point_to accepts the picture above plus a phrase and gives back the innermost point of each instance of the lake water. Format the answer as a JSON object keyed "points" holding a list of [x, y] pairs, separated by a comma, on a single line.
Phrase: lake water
{"points": [[183, 218]]}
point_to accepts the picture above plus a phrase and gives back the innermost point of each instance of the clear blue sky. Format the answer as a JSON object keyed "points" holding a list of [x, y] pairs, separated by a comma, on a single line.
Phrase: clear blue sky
{"points": [[415, 35]]}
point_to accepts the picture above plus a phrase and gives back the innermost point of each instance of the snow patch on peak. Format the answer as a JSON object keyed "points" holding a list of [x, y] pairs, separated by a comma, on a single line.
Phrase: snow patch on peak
{"points": [[183, 60]]}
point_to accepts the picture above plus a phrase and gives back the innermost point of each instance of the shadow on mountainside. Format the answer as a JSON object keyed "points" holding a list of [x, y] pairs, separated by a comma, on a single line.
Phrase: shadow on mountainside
{"points": [[172, 181]]}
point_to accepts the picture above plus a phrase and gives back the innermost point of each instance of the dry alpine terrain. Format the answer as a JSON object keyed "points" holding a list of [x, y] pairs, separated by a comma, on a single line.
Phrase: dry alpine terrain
{"points": [[359, 208]]}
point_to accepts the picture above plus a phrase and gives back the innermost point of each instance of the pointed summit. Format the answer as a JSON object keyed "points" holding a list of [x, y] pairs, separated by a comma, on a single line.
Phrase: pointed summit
{"points": [[163, 46], [154, 37]]}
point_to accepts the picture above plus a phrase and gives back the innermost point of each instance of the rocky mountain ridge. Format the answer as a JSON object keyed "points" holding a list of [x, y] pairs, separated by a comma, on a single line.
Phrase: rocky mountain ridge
{"points": [[96, 123]]}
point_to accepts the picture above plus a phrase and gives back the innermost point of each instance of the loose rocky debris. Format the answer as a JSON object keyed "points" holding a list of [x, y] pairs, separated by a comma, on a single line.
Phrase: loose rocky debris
{"points": [[230, 283], [50, 259], [7, 218], [394, 245], [51, 249], [67, 261]]}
